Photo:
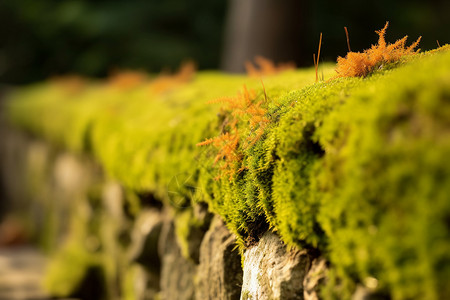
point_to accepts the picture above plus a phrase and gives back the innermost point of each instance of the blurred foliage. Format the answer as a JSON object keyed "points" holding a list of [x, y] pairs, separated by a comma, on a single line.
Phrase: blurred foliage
{"points": [[45, 38]]}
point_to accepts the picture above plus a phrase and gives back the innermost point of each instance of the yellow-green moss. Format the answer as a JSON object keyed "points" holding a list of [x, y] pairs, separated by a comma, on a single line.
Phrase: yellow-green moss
{"points": [[67, 269], [70, 263], [357, 168]]}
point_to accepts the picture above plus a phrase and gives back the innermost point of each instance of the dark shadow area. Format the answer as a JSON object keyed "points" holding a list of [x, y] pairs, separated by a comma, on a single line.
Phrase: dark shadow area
{"points": [[93, 285], [46, 38]]}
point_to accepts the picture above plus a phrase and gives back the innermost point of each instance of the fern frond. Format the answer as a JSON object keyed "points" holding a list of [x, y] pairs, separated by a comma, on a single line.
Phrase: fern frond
{"points": [[205, 142], [246, 110], [357, 64], [266, 67]]}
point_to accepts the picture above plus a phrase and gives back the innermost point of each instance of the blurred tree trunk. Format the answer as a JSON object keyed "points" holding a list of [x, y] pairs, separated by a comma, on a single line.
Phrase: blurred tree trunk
{"points": [[271, 28]]}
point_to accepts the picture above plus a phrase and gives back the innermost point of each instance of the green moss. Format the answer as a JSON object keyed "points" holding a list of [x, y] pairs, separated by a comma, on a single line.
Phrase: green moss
{"points": [[132, 284], [185, 222], [383, 183], [245, 295], [90, 253], [67, 270], [357, 168], [70, 265]]}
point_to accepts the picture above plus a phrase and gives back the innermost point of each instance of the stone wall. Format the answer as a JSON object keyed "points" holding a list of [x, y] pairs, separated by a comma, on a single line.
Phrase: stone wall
{"points": [[105, 242]]}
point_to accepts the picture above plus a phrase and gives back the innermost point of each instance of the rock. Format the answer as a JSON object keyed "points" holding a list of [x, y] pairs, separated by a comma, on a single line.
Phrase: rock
{"points": [[361, 293], [219, 274], [190, 228], [314, 279], [113, 199], [142, 274], [369, 292], [138, 284], [68, 173], [272, 272], [144, 240], [177, 272], [21, 271], [23, 165]]}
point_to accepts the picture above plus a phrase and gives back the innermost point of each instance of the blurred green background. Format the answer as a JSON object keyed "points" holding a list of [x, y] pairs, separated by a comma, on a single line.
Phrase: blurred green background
{"points": [[44, 38]]}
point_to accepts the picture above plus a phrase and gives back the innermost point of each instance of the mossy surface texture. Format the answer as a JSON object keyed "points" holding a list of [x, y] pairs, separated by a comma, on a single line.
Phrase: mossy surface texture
{"points": [[357, 168]]}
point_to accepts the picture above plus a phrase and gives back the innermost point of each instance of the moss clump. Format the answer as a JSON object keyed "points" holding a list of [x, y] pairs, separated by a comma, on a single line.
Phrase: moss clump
{"points": [[355, 167], [189, 230], [70, 265], [383, 183], [67, 270]]}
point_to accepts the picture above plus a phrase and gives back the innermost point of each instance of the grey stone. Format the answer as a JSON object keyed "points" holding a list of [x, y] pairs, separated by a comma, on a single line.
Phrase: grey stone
{"points": [[144, 240], [113, 199], [21, 271], [140, 284], [369, 291], [190, 228], [142, 259], [70, 174], [361, 293], [194, 240], [177, 272], [314, 279], [219, 274], [272, 272]]}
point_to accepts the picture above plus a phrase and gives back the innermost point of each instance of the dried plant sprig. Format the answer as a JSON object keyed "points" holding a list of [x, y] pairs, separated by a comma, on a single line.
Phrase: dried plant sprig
{"points": [[165, 82], [264, 66], [348, 40], [316, 61], [357, 64], [126, 79], [243, 109]]}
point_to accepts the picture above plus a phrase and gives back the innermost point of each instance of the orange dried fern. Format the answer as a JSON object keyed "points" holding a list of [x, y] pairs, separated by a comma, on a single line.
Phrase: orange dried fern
{"points": [[165, 82], [357, 64], [316, 61], [243, 109], [72, 84], [266, 67], [126, 79]]}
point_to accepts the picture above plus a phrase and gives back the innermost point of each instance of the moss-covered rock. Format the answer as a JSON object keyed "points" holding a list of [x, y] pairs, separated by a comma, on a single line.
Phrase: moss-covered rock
{"points": [[356, 168]]}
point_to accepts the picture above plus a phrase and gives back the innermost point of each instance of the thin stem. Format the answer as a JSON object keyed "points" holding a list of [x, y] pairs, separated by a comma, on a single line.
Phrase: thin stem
{"points": [[264, 89], [316, 62], [348, 40], [315, 66]]}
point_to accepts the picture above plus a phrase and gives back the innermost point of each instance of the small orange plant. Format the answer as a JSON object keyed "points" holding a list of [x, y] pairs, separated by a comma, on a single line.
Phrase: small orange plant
{"points": [[266, 67], [165, 82], [316, 61], [72, 84], [357, 64], [248, 111], [126, 79]]}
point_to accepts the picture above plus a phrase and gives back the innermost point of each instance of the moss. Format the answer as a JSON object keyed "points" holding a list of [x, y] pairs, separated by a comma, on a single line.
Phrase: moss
{"points": [[355, 167], [67, 270], [245, 295], [88, 259], [69, 266], [184, 223], [383, 183], [189, 231], [132, 284]]}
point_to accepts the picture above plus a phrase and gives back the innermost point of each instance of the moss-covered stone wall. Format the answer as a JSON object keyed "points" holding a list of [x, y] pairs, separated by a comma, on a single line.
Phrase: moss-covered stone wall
{"points": [[354, 171]]}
